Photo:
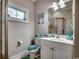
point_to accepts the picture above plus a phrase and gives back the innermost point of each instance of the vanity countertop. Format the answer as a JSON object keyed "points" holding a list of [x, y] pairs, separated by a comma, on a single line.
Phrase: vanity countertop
{"points": [[59, 40]]}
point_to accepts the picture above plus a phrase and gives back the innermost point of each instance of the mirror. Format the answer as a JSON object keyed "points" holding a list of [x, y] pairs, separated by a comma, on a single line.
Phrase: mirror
{"points": [[60, 18]]}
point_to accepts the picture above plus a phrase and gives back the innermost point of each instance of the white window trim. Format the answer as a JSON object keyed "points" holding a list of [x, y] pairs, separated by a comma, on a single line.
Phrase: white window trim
{"points": [[19, 8]]}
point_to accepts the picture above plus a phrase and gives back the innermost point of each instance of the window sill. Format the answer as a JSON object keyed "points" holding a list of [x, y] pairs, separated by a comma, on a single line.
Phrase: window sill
{"points": [[17, 20]]}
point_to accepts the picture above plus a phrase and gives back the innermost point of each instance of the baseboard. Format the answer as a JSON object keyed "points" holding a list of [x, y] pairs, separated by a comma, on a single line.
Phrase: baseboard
{"points": [[18, 56]]}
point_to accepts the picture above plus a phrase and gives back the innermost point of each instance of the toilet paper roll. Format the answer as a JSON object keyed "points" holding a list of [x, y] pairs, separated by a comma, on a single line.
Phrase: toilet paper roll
{"points": [[21, 41]]}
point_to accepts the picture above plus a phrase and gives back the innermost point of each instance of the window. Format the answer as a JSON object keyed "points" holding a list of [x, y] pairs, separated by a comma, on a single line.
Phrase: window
{"points": [[12, 12], [17, 13], [20, 15]]}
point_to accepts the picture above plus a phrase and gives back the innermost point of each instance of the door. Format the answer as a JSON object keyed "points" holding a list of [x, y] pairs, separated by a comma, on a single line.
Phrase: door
{"points": [[61, 54], [45, 53]]}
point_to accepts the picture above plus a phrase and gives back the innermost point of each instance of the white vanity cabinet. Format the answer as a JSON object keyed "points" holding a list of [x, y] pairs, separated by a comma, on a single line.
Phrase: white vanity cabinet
{"points": [[55, 50], [61, 54]]}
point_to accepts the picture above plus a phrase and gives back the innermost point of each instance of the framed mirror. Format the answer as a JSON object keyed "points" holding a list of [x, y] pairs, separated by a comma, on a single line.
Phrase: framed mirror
{"points": [[60, 19]]}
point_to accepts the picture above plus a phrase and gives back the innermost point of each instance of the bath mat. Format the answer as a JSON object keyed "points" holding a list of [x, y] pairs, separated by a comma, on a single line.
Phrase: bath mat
{"points": [[26, 57]]}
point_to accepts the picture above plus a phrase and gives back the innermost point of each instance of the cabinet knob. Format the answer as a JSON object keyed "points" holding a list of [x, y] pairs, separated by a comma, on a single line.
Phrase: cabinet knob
{"points": [[52, 48]]}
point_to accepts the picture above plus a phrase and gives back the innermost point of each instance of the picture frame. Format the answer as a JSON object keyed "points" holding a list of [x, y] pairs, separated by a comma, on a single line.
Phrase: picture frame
{"points": [[41, 18]]}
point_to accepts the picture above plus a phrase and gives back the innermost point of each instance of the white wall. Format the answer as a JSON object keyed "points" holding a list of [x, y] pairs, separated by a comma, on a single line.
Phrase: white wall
{"points": [[21, 31]]}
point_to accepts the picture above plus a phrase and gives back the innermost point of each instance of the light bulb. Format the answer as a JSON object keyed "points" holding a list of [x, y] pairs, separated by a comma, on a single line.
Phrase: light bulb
{"points": [[61, 2], [54, 4], [62, 6], [56, 8]]}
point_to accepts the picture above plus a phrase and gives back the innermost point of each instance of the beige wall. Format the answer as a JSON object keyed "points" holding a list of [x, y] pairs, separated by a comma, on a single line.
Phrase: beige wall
{"points": [[42, 6], [21, 31]]}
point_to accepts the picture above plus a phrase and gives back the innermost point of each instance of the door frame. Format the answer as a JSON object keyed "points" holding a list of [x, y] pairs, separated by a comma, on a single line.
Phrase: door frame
{"points": [[5, 26]]}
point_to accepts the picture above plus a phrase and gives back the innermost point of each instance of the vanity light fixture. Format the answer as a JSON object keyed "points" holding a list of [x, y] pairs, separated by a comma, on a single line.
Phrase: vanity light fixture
{"points": [[62, 4], [55, 6]]}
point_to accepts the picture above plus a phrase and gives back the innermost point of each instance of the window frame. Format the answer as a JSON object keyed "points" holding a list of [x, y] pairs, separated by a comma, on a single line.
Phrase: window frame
{"points": [[26, 17]]}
